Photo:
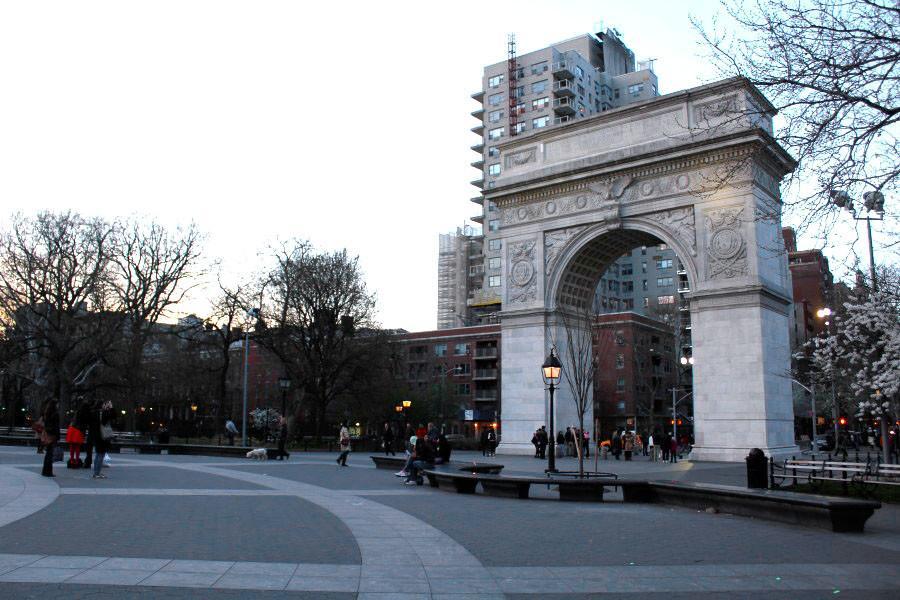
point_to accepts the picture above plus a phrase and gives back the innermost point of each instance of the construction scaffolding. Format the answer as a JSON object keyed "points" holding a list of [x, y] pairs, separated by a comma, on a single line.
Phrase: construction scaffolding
{"points": [[512, 68], [454, 251]]}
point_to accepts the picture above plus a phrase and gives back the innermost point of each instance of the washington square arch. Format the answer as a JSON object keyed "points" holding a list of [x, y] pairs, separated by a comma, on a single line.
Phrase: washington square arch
{"points": [[697, 170]]}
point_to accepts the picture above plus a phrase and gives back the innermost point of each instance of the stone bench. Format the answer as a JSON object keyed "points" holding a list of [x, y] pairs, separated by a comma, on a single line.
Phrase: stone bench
{"points": [[836, 514], [389, 462], [517, 486]]}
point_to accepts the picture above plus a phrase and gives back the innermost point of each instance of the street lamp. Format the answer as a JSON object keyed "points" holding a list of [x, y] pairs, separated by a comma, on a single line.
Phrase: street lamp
{"points": [[873, 203], [825, 314], [285, 384], [253, 313], [551, 371]]}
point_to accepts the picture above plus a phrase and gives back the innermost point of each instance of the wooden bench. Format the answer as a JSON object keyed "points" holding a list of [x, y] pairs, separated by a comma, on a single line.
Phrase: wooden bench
{"points": [[837, 514], [863, 476]]}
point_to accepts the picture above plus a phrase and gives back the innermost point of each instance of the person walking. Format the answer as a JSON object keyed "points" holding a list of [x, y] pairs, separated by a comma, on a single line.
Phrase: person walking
{"points": [[231, 430], [387, 439], [543, 442], [570, 442], [615, 444], [628, 444], [344, 440], [651, 449], [484, 441], [673, 449], [282, 439], [99, 434], [50, 435], [492, 441], [586, 436]]}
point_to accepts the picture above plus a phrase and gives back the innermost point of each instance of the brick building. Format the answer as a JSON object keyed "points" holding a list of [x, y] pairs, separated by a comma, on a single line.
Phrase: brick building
{"points": [[456, 372], [812, 286], [635, 371]]}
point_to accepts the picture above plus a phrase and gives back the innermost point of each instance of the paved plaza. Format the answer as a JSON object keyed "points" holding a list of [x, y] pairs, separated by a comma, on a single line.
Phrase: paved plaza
{"points": [[201, 527]]}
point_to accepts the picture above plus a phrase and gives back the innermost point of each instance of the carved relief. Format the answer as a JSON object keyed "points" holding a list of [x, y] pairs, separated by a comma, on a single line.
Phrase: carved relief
{"points": [[726, 248], [662, 186], [555, 241], [715, 109], [522, 283], [602, 196], [520, 158], [680, 222]]}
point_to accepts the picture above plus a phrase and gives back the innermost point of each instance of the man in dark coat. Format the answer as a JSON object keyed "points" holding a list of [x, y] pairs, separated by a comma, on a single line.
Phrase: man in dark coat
{"points": [[50, 436]]}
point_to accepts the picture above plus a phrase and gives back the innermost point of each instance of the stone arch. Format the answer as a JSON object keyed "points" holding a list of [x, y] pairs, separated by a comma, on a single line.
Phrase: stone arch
{"points": [[573, 279]]}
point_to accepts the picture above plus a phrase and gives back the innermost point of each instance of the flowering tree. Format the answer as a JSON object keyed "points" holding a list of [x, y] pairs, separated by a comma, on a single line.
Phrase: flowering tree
{"points": [[863, 351]]}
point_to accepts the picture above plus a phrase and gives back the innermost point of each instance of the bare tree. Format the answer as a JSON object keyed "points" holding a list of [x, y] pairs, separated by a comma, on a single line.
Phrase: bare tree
{"points": [[579, 366], [152, 270], [314, 302], [829, 67], [53, 271]]}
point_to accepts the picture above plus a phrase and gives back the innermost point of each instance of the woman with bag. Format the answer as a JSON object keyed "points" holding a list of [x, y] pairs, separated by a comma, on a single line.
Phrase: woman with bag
{"points": [[49, 435], [344, 438], [99, 434]]}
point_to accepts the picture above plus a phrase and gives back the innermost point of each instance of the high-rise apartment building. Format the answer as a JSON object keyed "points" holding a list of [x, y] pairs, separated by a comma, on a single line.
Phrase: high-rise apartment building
{"points": [[549, 87]]}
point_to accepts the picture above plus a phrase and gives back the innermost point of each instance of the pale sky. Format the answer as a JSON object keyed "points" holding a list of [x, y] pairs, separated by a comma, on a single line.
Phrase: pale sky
{"points": [[344, 123]]}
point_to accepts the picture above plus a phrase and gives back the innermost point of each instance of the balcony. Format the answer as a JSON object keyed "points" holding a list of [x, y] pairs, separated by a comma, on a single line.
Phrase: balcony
{"points": [[485, 374], [478, 114], [477, 200], [684, 306], [486, 395], [479, 129], [478, 96], [564, 69], [485, 353], [478, 164], [478, 219], [683, 287], [566, 87], [564, 106], [562, 120], [479, 148], [479, 183]]}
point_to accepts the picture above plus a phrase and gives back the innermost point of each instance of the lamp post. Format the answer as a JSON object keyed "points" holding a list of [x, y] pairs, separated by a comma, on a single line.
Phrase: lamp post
{"points": [[873, 203], [285, 384], [253, 313], [826, 313], [551, 371]]}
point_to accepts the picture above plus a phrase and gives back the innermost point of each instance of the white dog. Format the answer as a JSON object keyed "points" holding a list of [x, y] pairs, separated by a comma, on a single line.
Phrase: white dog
{"points": [[258, 454]]}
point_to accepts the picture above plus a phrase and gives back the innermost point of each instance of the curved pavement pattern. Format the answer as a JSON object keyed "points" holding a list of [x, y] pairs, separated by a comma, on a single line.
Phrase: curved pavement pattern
{"points": [[402, 557]]}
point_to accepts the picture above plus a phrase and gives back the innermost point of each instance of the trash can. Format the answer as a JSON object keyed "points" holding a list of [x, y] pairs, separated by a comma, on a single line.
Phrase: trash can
{"points": [[757, 470]]}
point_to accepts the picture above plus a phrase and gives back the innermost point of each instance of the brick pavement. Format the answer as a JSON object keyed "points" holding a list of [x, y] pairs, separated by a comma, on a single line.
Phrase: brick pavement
{"points": [[358, 533]]}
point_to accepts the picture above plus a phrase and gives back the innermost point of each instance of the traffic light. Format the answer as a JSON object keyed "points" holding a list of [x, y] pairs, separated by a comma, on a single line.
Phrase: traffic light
{"points": [[842, 421]]}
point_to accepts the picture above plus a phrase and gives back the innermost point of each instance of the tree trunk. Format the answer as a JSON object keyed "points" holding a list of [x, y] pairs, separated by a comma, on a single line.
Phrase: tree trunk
{"points": [[885, 441], [579, 443]]}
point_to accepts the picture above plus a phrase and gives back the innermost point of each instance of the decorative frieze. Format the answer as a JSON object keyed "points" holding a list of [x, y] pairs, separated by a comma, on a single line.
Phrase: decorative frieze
{"points": [[555, 241], [522, 157]]}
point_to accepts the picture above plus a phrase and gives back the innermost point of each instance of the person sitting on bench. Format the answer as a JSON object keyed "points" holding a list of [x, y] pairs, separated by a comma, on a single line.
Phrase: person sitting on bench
{"points": [[422, 458]]}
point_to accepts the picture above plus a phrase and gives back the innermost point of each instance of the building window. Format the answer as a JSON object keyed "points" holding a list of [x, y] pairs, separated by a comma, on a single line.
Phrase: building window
{"points": [[494, 169], [460, 349], [495, 81], [476, 269], [493, 224], [519, 109], [539, 87], [643, 266], [492, 206], [578, 71], [620, 384], [493, 263], [540, 103], [627, 269], [620, 361], [495, 99], [663, 282], [616, 93], [628, 303], [440, 349], [665, 299], [627, 287], [636, 89], [462, 368], [462, 389], [646, 302], [663, 247], [494, 281], [538, 68], [496, 134], [520, 91], [493, 152], [495, 245], [540, 122], [665, 263], [495, 115], [520, 127], [644, 285]]}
